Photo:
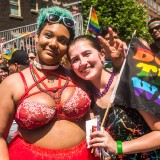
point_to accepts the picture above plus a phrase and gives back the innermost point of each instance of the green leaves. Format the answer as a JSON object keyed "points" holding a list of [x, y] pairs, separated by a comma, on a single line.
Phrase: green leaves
{"points": [[125, 15]]}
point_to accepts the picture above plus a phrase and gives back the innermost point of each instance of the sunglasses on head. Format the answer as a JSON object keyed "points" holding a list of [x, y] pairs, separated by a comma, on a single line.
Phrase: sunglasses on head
{"points": [[54, 18], [156, 28]]}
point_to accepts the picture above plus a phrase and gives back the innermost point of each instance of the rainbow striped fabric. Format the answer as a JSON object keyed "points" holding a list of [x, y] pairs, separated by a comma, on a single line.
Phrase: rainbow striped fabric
{"points": [[93, 27]]}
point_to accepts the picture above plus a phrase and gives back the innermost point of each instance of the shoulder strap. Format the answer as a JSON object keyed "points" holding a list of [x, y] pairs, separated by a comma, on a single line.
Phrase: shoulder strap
{"points": [[24, 81]]}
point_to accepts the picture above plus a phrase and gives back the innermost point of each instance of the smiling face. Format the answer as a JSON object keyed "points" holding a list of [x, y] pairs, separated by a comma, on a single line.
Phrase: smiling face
{"points": [[3, 74], [86, 61], [52, 43]]}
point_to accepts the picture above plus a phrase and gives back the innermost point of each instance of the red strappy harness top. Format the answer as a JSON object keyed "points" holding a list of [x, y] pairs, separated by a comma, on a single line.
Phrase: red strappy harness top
{"points": [[31, 114]]}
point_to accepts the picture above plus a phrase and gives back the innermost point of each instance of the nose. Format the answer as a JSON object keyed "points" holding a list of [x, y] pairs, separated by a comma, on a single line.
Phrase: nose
{"points": [[2, 73], [156, 29], [53, 43], [83, 61]]}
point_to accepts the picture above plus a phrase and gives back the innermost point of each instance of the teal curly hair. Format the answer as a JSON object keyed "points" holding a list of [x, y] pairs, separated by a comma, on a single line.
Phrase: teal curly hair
{"points": [[54, 10]]}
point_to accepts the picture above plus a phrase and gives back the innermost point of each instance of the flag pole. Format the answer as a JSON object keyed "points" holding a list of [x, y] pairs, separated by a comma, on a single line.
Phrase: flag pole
{"points": [[89, 19], [117, 83]]}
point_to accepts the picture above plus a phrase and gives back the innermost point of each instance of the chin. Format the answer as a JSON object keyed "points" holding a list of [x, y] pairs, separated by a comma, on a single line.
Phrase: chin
{"points": [[87, 77], [157, 38]]}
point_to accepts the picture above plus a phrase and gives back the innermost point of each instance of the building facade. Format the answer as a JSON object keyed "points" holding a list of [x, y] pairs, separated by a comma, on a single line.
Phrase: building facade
{"points": [[152, 6], [16, 13]]}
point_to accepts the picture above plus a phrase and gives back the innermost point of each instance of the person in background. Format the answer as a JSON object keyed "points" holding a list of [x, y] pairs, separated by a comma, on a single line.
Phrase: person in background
{"points": [[49, 104], [129, 133], [4, 72], [17, 62], [110, 34], [154, 30], [1, 58], [105, 33], [32, 56]]}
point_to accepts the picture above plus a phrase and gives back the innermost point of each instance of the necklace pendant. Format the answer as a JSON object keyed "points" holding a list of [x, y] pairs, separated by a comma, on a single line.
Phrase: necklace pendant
{"points": [[51, 81]]}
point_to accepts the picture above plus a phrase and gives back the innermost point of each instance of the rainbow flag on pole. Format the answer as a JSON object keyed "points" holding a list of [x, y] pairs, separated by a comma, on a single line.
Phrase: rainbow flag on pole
{"points": [[93, 25]]}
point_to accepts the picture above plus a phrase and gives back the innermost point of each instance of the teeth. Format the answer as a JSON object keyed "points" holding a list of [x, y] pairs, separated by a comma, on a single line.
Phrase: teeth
{"points": [[85, 70]]}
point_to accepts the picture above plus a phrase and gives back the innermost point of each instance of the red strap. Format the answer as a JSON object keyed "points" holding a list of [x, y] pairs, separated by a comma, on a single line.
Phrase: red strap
{"points": [[24, 81], [26, 95], [59, 108]]}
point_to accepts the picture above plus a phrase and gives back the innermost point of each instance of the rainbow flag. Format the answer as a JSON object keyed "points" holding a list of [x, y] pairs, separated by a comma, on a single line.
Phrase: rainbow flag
{"points": [[93, 25]]}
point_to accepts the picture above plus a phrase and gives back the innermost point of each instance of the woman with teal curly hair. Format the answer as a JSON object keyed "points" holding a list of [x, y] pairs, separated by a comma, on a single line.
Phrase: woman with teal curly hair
{"points": [[62, 12], [49, 104]]}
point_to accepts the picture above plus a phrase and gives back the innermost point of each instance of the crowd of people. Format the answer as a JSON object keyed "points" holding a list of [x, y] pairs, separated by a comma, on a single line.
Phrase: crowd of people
{"points": [[44, 103]]}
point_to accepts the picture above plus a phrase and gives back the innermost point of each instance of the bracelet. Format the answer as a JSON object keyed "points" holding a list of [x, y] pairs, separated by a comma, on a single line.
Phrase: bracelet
{"points": [[119, 147]]}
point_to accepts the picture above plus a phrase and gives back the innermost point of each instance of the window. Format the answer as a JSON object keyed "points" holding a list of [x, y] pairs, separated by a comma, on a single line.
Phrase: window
{"points": [[150, 17], [15, 7], [154, 5], [145, 2], [150, 3], [34, 5], [158, 9]]}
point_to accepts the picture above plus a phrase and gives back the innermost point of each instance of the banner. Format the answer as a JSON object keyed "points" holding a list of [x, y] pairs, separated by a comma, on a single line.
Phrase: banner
{"points": [[139, 85], [93, 25]]}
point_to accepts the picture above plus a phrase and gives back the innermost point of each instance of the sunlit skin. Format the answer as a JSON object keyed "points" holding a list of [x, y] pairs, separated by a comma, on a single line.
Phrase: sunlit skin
{"points": [[85, 60], [111, 36], [13, 68], [52, 44], [3, 75], [31, 57], [86, 63], [156, 33]]}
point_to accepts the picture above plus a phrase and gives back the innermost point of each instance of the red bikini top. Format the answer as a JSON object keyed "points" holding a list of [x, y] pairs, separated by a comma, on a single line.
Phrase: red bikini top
{"points": [[31, 114]]}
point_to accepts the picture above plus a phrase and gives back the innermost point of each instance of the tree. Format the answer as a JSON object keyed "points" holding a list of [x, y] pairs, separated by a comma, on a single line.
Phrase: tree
{"points": [[126, 15]]}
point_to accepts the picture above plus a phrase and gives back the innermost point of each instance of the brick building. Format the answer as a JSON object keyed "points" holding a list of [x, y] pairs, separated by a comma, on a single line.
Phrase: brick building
{"points": [[16, 13], [152, 6]]}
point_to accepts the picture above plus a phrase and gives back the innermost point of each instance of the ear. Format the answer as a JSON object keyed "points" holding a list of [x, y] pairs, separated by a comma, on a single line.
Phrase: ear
{"points": [[16, 67], [102, 55], [36, 38]]}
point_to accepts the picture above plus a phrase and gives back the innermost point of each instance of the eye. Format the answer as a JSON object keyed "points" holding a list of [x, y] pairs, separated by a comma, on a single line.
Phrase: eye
{"points": [[74, 60], [86, 54], [48, 35], [64, 41]]}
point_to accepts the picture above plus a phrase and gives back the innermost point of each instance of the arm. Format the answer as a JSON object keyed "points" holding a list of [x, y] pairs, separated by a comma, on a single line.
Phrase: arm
{"points": [[6, 114], [147, 142]]}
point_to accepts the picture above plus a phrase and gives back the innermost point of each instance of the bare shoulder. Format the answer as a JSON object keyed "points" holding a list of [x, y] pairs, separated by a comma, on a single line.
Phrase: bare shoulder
{"points": [[13, 85]]}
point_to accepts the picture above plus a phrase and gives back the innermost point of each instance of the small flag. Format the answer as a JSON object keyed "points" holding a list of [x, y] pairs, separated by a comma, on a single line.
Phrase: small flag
{"points": [[93, 25], [139, 85]]}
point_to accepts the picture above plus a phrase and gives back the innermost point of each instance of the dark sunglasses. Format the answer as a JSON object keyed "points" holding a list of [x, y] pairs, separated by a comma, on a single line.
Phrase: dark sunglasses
{"points": [[156, 28], [32, 57], [54, 18]]}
